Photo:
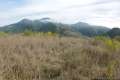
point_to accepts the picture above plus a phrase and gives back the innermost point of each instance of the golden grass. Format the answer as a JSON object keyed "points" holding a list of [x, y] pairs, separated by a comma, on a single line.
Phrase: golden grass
{"points": [[54, 58]]}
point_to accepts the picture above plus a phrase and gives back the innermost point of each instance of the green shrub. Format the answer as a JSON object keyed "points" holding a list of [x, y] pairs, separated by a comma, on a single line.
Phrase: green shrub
{"points": [[49, 72], [110, 43], [50, 34], [28, 33]]}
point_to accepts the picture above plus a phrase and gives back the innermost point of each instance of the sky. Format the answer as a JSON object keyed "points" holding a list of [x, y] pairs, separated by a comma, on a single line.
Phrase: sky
{"points": [[95, 12]]}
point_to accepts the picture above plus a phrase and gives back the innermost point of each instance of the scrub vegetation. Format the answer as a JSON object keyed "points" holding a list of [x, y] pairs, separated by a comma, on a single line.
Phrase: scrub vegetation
{"points": [[46, 56]]}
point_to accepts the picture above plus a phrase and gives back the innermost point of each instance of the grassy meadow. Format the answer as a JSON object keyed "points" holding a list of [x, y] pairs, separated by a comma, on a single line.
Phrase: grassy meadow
{"points": [[50, 57]]}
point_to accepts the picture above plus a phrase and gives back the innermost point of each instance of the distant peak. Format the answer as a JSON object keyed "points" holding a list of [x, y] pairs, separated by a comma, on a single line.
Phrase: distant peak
{"points": [[25, 21], [46, 18], [83, 23]]}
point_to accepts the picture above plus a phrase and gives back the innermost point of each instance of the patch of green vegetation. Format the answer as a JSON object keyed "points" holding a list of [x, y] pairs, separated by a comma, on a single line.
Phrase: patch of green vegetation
{"points": [[100, 38], [28, 33], [49, 72], [31, 33], [112, 44], [50, 34], [3, 34]]}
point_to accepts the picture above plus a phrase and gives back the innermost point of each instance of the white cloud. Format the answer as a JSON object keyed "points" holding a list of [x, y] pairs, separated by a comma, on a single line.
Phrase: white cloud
{"points": [[100, 12]]}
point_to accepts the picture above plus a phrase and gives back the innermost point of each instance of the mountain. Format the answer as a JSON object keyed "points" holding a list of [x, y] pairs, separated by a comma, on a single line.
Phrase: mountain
{"points": [[89, 30], [25, 24], [113, 32], [41, 25], [17, 27], [50, 25]]}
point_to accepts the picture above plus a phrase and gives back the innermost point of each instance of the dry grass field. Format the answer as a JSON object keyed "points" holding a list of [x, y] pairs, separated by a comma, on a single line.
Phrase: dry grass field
{"points": [[54, 58]]}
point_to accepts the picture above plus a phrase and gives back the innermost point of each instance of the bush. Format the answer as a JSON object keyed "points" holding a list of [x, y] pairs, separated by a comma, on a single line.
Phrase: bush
{"points": [[110, 43], [28, 33], [49, 71], [50, 34]]}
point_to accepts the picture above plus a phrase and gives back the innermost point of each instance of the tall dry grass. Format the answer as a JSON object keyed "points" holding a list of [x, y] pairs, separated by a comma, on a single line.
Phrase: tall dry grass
{"points": [[54, 58]]}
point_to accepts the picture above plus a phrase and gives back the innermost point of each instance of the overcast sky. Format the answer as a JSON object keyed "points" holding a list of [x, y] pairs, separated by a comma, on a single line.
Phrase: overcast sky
{"points": [[97, 12]]}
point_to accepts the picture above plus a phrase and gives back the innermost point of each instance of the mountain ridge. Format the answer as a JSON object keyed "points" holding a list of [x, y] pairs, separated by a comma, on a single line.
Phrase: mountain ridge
{"points": [[50, 25]]}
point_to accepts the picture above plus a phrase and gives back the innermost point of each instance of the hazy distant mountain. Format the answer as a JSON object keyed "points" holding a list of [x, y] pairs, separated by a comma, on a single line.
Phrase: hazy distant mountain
{"points": [[89, 30], [47, 24]]}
